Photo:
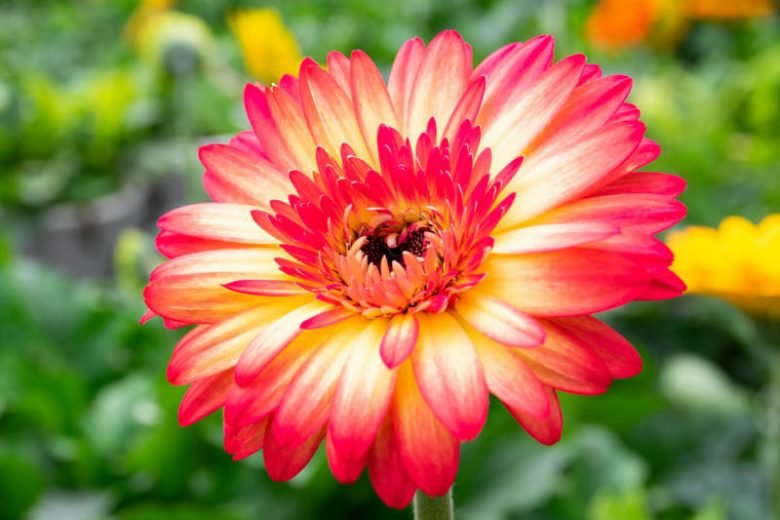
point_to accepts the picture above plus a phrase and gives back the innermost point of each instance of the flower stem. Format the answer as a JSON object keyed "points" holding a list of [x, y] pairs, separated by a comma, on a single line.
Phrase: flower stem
{"points": [[433, 508]]}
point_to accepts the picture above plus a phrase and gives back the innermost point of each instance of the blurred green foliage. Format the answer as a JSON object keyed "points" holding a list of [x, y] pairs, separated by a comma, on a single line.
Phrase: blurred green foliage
{"points": [[87, 421]]}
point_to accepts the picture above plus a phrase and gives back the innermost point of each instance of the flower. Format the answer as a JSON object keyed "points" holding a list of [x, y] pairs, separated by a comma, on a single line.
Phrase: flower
{"points": [[268, 47], [739, 262], [617, 23], [382, 256]]}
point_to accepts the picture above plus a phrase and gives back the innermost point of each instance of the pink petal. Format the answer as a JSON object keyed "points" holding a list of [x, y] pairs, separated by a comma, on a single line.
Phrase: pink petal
{"points": [[563, 283], [428, 451], [204, 397], [590, 107], [244, 441], [386, 469], [246, 405], [652, 183], [440, 82], [450, 379], [283, 462], [189, 288], [172, 245], [329, 112], [346, 471], [306, 404], [233, 175], [216, 221], [567, 363], [363, 396], [618, 355], [509, 133], [399, 339], [266, 129], [339, 68], [330, 316], [271, 339], [371, 100], [402, 75], [207, 350], [293, 129], [499, 320], [551, 237], [510, 379], [547, 430], [467, 107], [510, 71], [556, 174], [640, 213], [266, 287]]}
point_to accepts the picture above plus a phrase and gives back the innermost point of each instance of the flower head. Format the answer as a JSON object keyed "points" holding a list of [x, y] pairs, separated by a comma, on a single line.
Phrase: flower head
{"points": [[381, 256], [268, 47], [739, 261]]}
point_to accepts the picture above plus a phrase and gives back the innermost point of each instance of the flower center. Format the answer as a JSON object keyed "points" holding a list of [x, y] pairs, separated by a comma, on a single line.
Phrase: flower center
{"points": [[392, 246], [406, 234]]}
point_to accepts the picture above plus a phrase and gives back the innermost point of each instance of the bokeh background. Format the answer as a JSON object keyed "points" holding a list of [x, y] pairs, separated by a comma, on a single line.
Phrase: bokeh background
{"points": [[102, 107]]}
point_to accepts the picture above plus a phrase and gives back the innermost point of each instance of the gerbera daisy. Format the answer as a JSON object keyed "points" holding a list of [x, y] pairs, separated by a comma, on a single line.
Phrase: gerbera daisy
{"points": [[738, 261], [381, 256]]}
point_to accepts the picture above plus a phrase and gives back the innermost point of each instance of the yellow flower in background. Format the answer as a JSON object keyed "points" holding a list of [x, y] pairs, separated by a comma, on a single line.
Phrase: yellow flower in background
{"points": [[146, 11], [739, 261], [662, 23], [268, 47]]}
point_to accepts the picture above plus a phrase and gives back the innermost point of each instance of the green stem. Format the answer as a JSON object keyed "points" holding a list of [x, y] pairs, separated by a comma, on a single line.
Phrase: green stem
{"points": [[433, 508]]}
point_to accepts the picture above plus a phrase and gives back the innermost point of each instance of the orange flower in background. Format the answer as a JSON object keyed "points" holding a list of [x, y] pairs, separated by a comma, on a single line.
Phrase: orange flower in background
{"points": [[621, 23], [381, 256], [617, 23], [739, 261]]}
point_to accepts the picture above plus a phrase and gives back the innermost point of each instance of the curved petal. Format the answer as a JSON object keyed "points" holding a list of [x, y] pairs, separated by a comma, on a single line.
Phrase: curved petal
{"points": [[402, 76], [371, 100], [209, 349], [345, 470], [510, 71], [428, 451], [248, 404], [283, 462], [620, 357], [450, 379], [329, 112], [386, 469], [399, 339], [567, 363], [266, 129], [440, 82], [564, 283], [292, 127], [244, 441], [189, 288], [551, 237], [554, 175], [204, 397], [272, 338], [233, 175], [632, 213], [499, 321], [510, 379], [306, 404], [363, 395], [510, 132], [216, 221], [547, 430]]}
